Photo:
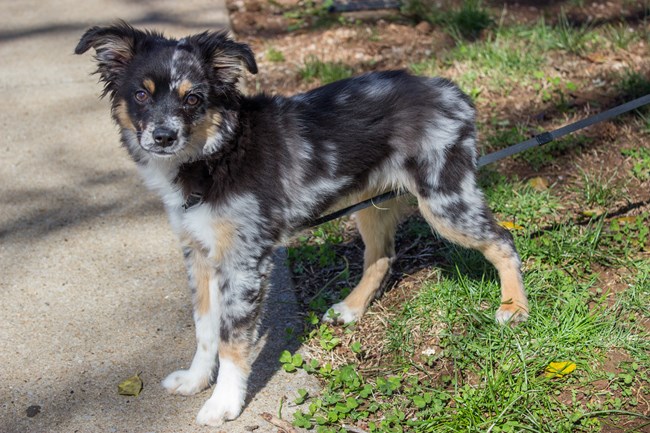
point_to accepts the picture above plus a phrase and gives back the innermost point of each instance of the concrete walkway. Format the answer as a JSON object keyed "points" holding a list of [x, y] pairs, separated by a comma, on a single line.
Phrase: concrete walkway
{"points": [[92, 285]]}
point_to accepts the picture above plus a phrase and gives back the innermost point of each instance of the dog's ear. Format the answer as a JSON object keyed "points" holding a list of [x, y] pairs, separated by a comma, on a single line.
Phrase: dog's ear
{"points": [[115, 47], [227, 57]]}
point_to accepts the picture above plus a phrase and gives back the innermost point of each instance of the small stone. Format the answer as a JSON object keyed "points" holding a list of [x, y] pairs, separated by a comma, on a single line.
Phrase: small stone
{"points": [[33, 410], [423, 27]]}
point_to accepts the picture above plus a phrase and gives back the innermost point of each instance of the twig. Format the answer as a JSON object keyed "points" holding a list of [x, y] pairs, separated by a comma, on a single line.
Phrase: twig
{"points": [[353, 429], [279, 423]]}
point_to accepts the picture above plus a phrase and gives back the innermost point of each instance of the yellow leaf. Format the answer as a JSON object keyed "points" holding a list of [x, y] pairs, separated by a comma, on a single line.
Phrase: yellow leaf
{"points": [[593, 213], [559, 369], [538, 183], [510, 225], [596, 58], [626, 220], [131, 386]]}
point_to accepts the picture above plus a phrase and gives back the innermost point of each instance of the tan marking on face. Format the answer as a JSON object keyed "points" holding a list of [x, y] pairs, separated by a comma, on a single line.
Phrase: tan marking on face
{"points": [[122, 117], [225, 233], [202, 271], [149, 85], [238, 353], [209, 127], [184, 88], [361, 296]]}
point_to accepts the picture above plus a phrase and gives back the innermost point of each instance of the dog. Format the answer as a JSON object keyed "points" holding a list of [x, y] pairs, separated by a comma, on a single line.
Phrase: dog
{"points": [[238, 175]]}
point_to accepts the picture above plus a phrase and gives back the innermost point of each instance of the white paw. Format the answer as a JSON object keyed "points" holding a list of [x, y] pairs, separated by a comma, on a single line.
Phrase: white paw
{"points": [[185, 382], [218, 409], [341, 313], [512, 314]]}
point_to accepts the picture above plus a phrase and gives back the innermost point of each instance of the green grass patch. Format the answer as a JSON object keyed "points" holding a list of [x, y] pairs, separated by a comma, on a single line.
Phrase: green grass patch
{"points": [[274, 55], [452, 368], [311, 13], [515, 56], [573, 38], [465, 22], [325, 72], [641, 162], [498, 381], [315, 247]]}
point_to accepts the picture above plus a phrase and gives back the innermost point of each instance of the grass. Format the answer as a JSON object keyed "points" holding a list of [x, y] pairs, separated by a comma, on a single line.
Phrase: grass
{"points": [[467, 22], [310, 13], [451, 368], [431, 358], [573, 38], [274, 55], [325, 72]]}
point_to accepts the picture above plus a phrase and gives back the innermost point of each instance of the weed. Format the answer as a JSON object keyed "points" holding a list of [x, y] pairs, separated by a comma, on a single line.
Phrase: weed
{"points": [[315, 248], [290, 363], [629, 234], [597, 189], [325, 72], [641, 162], [553, 89]]}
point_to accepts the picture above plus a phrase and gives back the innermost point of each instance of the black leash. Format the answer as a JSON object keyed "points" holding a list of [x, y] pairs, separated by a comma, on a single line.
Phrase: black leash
{"points": [[538, 140]]}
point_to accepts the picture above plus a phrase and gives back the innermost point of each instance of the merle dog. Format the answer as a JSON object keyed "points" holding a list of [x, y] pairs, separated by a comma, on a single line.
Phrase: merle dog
{"points": [[239, 174]]}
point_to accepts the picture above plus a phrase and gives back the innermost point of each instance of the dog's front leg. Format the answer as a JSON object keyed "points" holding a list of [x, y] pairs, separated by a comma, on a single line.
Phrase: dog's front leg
{"points": [[242, 291], [206, 318]]}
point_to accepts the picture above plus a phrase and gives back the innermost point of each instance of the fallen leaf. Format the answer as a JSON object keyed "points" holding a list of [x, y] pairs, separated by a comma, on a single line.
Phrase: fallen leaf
{"points": [[626, 220], [131, 386], [596, 58], [510, 225], [559, 369], [593, 213], [538, 183]]}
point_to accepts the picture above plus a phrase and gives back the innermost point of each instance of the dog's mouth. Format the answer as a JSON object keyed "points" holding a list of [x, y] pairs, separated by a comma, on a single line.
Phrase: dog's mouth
{"points": [[164, 150], [165, 153]]}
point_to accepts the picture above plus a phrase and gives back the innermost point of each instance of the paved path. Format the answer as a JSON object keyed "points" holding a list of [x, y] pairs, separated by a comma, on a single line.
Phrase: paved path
{"points": [[92, 285]]}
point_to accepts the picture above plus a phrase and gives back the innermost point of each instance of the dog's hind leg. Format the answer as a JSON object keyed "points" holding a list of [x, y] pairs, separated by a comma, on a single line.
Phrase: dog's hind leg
{"points": [[377, 227], [206, 315], [467, 221]]}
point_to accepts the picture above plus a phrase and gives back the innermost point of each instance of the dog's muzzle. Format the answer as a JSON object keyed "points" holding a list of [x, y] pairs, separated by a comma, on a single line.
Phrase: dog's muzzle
{"points": [[164, 137]]}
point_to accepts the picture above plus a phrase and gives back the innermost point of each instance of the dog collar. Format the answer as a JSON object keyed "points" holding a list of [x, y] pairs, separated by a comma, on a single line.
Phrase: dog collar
{"points": [[192, 200]]}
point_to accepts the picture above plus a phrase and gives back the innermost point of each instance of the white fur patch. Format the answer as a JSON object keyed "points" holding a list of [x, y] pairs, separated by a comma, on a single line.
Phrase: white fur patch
{"points": [[197, 377], [341, 313], [227, 400]]}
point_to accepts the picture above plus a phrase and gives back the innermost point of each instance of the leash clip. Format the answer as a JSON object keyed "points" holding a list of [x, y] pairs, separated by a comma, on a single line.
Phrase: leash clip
{"points": [[543, 138]]}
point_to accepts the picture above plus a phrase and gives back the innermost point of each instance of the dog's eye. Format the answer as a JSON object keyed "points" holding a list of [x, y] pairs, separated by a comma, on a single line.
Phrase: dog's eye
{"points": [[192, 100], [141, 96]]}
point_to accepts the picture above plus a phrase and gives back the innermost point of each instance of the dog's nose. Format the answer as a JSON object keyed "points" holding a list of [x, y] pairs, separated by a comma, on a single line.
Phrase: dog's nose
{"points": [[164, 137]]}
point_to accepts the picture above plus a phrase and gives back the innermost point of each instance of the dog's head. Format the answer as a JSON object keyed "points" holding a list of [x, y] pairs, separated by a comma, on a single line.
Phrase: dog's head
{"points": [[170, 97]]}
